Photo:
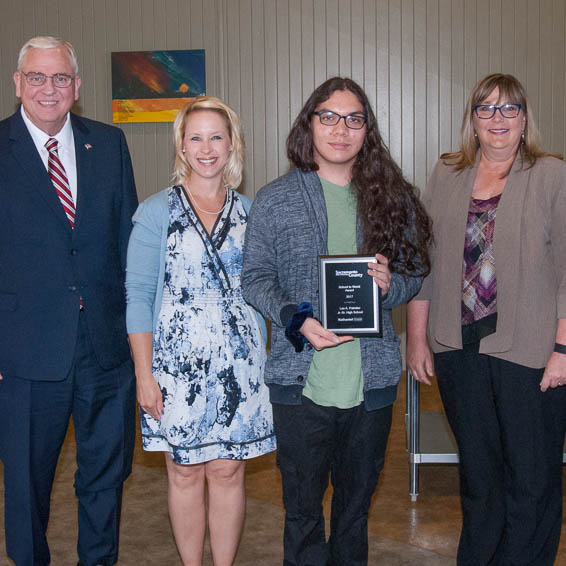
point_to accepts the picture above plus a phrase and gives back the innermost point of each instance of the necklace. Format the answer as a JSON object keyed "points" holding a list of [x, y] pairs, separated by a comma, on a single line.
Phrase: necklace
{"points": [[194, 201]]}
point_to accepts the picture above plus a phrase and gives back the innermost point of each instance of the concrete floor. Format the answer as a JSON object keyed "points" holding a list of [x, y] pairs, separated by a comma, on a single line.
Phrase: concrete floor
{"points": [[402, 533]]}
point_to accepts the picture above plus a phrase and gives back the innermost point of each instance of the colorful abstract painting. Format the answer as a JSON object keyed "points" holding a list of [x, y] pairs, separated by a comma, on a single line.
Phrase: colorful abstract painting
{"points": [[151, 86]]}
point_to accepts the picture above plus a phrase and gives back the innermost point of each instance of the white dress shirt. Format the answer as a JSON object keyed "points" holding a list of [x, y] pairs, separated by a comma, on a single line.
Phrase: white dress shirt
{"points": [[66, 149]]}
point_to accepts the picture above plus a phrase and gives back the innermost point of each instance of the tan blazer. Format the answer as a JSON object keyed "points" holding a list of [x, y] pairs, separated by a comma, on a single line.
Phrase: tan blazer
{"points": [[530, 259]]}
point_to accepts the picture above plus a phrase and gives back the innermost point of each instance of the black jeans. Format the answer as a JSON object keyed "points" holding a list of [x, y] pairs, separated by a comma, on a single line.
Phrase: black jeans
{"points": [[313, 443], [510, 438]]}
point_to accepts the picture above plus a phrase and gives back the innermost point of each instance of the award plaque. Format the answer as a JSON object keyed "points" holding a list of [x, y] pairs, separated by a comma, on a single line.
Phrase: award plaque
{"points": [[350, 300]]}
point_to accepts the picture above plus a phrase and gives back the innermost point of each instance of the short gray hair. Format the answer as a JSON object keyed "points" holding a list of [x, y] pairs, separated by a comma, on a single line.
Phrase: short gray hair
{"points": [[48, 42]]}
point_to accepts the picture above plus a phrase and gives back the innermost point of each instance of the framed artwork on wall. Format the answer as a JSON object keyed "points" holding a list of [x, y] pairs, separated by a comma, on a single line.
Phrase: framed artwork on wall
{"points": [[151, 86]]}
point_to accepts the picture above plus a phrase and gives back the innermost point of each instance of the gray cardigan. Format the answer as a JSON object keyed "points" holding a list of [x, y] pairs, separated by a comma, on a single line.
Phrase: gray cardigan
{"points": [[287, 231]]}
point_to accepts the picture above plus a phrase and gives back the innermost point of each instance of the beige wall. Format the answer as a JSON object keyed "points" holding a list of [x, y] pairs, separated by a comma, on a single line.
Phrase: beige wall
{"points": [[417, 60]]}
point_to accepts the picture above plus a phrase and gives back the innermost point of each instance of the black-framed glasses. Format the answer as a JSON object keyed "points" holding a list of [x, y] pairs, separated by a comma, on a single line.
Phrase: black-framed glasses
{"points": [[60, 80], [487, 111], [352, 121]]}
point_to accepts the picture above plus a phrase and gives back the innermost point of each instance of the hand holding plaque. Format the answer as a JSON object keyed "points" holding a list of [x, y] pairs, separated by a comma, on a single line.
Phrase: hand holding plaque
{"points": [[350, 300]]}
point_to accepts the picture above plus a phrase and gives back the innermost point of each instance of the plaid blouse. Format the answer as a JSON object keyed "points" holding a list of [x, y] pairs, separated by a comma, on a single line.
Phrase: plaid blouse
{"points": [[479, 284]]}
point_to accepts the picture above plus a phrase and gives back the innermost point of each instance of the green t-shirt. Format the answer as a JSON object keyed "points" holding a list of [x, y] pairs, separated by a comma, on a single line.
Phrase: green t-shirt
{"points": [[335, 376]]}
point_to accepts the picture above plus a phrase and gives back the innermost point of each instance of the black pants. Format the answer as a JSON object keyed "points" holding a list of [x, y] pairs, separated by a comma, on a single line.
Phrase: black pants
{"points": [[510, 438], [314, 442]]}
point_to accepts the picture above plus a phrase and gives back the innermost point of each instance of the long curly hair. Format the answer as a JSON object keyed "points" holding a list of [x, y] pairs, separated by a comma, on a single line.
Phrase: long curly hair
{"points": [[393, 220]]}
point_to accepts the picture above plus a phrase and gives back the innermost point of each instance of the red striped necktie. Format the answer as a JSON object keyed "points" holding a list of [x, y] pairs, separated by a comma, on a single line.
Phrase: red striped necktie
{"points": [[60, 181]]}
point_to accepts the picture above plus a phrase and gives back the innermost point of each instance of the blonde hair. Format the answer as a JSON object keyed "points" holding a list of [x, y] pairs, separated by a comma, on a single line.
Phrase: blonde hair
{"points": [[510, 90], [235, 165], [48, 42]]}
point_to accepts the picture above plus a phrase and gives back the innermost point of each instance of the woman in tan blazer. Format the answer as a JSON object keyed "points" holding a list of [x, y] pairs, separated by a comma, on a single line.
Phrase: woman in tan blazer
{"points": [[495, 308]]}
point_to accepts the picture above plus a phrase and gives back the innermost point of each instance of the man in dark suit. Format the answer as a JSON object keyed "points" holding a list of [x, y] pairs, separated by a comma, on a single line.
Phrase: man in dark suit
{"points": [[67, 195]]}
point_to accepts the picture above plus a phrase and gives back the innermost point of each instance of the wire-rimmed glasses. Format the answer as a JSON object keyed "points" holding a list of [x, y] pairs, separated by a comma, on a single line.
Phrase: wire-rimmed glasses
{"points": [[60, 80]]}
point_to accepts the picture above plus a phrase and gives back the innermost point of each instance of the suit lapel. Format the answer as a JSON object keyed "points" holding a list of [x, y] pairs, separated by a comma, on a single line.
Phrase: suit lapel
{"points": [[453, 236], [35, 173], [84, 156], [506, 244]]}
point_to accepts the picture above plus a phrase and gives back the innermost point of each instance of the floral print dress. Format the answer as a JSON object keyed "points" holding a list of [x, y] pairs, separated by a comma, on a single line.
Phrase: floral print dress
{"points": [[208, 351]]}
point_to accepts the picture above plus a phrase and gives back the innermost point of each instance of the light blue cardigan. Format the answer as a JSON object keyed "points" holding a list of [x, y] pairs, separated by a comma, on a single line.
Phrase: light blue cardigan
{"points": [[145, 269]]}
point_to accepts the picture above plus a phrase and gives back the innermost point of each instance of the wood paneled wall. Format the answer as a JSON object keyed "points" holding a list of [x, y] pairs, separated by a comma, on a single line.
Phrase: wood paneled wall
{"points": [[417, 60]]}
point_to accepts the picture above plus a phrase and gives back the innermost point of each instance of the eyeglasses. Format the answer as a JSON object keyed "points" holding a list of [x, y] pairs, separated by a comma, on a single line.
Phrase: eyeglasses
{"points": [[487, 111], [60, 80], [352, 121]]}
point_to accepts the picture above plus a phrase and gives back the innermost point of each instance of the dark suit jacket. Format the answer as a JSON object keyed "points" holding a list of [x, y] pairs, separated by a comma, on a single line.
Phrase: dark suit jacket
{"points": [[45, 266]]}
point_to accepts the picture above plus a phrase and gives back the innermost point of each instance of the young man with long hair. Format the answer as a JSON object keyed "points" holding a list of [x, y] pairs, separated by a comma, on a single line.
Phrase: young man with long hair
{"points": [[332, 395]]}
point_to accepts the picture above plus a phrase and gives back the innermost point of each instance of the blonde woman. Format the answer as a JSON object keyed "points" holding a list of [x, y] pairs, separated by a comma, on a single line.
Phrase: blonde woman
{"points": [[198, 347]]}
